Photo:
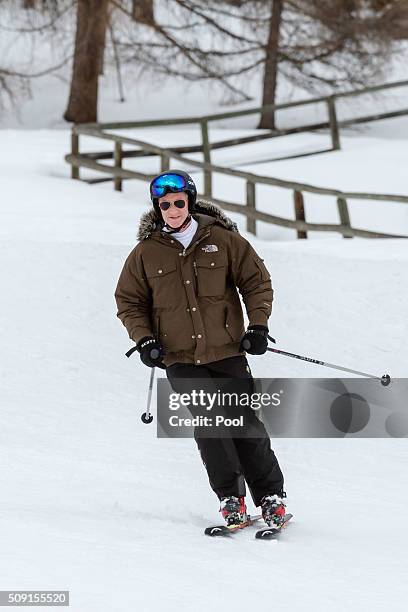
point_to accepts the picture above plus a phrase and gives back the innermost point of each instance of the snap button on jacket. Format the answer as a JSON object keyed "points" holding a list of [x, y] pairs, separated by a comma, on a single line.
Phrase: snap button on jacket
{"points": [[188, 298]]}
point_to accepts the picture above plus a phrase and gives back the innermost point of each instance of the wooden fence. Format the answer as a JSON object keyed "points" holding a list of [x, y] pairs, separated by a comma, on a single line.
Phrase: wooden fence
{"points": [[116, 171]]}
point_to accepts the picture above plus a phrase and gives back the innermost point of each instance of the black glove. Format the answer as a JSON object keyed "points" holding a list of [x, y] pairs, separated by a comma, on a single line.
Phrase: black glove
{"points": [[151, 352], [255, 340]]}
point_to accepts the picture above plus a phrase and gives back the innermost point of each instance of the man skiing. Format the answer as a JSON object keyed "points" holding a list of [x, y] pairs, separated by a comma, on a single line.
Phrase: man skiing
{"points": [[177, 293]]}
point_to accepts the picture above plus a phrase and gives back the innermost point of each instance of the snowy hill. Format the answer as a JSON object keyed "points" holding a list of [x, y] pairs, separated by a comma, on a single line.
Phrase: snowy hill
{"points": [[92, 501]]}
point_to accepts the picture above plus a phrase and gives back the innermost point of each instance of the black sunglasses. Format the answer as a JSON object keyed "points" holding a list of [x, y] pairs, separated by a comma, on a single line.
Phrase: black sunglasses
{"points": [[177, 203]]}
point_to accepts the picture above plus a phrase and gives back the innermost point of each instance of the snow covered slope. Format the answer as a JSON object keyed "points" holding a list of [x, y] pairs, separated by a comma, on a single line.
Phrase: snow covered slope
{"points": [[93, 502]]}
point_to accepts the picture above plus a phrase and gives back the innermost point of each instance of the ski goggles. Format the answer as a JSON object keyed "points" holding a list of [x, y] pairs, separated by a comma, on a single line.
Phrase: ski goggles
{"points": [[167, 182], [177, 204]]}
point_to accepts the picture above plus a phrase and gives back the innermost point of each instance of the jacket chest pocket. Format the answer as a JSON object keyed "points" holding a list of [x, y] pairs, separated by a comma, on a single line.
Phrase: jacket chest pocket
{"points": [[163, 281], [211, 270]]}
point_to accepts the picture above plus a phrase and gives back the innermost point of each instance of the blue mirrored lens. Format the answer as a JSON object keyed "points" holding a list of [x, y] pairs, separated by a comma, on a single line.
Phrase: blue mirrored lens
{"points": [[165, 182]]}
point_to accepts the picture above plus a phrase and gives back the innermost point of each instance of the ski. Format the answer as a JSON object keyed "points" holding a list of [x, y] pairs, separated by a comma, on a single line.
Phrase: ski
{"points": [[224, 530], [270, 533]]}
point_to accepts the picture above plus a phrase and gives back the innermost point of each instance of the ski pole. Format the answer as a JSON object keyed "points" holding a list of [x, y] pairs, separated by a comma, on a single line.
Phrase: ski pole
{"points": [[147, 417], [384, 379]]}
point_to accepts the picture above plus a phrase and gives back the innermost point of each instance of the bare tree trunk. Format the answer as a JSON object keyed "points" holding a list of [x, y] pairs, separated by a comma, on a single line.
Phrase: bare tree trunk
{"points": [[103, 44], [28, 4], [271, 65], [89, 41], [143, 11]]}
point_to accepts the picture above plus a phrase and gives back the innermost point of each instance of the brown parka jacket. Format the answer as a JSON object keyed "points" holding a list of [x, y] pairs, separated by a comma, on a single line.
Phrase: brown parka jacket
{"points": [[187, 298]]}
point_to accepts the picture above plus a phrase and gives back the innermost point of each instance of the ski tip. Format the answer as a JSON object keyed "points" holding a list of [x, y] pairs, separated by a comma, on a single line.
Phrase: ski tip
{"points": [[270, 533], [267, 534], [217, 530]]}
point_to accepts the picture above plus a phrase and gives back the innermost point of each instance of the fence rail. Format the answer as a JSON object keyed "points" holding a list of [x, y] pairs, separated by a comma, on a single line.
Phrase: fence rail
{"points": [[118, 174]]}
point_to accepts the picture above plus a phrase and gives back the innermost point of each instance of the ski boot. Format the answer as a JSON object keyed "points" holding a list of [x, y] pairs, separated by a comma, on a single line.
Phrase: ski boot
{"points": [[273, 510], [233, 510]]}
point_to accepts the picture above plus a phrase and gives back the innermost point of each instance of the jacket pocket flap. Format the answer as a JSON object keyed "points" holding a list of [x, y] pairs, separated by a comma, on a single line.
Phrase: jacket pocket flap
{"points": [[156, 270], [212, 260]]}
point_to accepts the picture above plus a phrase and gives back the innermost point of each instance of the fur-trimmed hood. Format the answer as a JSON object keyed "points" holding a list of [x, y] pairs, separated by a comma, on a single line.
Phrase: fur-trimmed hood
{"points": [[149, 222]]}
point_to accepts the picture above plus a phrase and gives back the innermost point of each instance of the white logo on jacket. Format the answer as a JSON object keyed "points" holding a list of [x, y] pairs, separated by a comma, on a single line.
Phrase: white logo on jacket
{"points": [[209, 248]]}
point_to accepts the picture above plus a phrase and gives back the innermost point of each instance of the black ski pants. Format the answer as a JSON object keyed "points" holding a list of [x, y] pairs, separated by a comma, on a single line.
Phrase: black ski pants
{"points": [[230, 461]]}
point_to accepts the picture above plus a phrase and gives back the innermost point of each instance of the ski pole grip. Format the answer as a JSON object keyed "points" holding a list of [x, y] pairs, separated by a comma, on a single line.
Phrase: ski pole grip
{"points": [[246, 344]]}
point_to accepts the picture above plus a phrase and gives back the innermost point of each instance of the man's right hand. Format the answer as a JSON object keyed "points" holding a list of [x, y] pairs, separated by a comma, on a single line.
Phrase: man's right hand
{"points": [[151, 352]]}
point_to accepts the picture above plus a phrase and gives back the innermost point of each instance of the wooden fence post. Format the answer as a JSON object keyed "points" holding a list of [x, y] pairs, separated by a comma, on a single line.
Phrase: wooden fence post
{"points": [[207, 158], [251, 205], [299, 212], [344, 214], [117, 181], [74, 151], [334, 127]]}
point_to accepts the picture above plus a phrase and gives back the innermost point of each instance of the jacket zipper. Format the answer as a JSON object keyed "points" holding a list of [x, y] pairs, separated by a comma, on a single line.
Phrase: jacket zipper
{"points": [[194, 244]]}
